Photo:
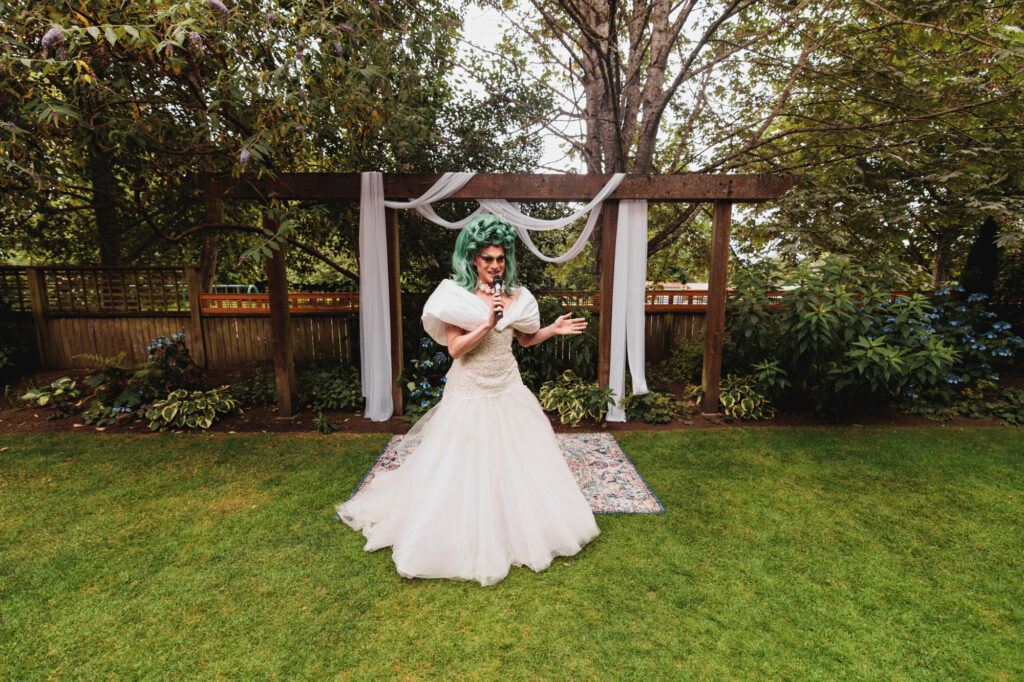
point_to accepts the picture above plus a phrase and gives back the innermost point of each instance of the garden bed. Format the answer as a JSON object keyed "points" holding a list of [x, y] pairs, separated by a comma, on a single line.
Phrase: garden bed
{"points": [[265, 418]]}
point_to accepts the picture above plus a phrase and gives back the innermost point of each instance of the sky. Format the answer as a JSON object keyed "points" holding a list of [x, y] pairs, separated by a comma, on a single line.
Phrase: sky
{"points": [[484, 26]]}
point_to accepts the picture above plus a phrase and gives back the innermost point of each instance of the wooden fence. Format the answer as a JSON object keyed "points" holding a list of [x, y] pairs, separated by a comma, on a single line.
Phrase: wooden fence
{"points": [[75, 311]]}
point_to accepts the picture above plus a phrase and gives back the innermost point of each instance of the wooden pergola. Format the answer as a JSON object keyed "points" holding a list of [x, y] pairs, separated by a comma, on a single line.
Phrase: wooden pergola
{"points": [[722, 190]]}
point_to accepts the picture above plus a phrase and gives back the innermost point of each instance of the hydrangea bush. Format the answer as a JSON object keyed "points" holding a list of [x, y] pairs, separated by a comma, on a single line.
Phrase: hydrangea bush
{"points": [[842, 340]]}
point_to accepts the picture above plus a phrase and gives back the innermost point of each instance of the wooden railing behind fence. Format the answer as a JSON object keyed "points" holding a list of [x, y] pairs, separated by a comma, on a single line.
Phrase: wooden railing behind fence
{"points": [[105, 311]]}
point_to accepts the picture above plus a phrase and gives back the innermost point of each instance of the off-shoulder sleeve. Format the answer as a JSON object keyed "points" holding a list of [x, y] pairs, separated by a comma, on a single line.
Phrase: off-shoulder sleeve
{"points": [[523, 315], [451, 304]]}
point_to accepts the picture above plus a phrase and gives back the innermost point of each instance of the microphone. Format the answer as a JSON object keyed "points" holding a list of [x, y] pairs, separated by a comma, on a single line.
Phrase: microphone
{"points": [[498, 284]]}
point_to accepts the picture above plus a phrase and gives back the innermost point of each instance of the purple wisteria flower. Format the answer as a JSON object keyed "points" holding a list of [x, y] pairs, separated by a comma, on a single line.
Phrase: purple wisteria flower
{"points": [[52, 37], [339, 49], [271, 17], [334, 32], [196, 39], [13, 128], [301, 43], [244, 156], [62, 53], [346, 28]]}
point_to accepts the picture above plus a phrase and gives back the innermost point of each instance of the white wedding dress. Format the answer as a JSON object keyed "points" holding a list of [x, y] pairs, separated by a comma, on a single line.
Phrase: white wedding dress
{"points": [[486, 486]]}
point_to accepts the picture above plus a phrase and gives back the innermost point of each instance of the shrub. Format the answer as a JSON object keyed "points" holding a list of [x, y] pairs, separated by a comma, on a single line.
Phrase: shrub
{"points": [[113, 383], [685, 363], [575, 399], [840, 340], [191, 409], [653, 407], [256, 388], [423, 378], [331, 388], [169, 367], [577, 352], [99, 414]]}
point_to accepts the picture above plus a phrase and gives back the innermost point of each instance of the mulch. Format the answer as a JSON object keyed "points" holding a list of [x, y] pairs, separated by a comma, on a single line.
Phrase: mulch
{"points": [[265, 419]]}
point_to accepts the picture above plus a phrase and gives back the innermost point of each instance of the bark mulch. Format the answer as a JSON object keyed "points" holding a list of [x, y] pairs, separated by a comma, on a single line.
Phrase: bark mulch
{"points": [[265, 419]]}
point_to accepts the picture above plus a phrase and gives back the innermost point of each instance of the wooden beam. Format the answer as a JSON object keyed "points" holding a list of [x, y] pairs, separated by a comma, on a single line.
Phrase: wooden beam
{"points": [[280, 326], [194, 278], [511, 186], [609, 229], [715, 329], [395, 300]]}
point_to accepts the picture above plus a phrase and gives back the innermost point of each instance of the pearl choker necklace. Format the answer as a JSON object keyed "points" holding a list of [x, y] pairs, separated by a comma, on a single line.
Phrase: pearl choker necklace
{"points": [[484, 287]]}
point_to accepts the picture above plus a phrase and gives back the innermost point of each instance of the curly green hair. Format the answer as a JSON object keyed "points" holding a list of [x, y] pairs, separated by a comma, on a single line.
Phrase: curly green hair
{"points": [[482, 231]]}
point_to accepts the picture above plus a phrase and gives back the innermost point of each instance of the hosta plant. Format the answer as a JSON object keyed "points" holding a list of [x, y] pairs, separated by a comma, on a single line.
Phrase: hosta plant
{"points": [[575, 399], [62, 390], [740, 399], [191, 409]]}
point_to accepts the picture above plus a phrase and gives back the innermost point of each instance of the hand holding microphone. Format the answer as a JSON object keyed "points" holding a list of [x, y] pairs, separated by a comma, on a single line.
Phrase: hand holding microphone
{"points": [[499, 287]]}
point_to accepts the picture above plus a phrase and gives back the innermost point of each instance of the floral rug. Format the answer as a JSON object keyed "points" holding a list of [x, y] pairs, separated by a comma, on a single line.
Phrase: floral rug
{"points": [[604, 473]]}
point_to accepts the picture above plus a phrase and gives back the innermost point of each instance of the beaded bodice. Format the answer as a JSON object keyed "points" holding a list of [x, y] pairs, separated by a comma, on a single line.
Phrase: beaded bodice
{"points": [[489, 369]]}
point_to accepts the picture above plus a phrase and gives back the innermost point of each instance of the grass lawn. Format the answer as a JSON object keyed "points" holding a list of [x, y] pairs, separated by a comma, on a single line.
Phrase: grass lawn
{"points": [[785, 553]]}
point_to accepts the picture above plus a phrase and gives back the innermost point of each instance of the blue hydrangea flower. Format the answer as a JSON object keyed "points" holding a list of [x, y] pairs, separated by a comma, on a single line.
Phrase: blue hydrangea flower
{"points": [[424, 403], [425, 342], [952, 379], [424, 384], [1000, 326], [444, 380], [973, 298]]}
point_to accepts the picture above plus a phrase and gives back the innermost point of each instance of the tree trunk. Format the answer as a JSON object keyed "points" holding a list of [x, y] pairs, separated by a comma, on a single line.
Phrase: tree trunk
{"points": [[211, 241], [108, 228], [943, 256], [982, 266]]}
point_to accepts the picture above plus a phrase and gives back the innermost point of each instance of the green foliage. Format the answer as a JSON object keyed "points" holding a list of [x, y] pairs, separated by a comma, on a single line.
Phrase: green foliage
{"points": [[575, 399], [98, 414], [837, 340], [58, 394], [685, 364], [258, 387], [577, 353], [655, 408], [983, 400], [191, 409], [423, 378], [113, 383], [336, 387], [739, 398], [170, 366], [323, 424]]}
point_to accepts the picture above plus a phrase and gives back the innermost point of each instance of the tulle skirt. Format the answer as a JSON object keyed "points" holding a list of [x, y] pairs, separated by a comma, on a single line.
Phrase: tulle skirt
{"points": [[486, 488]]}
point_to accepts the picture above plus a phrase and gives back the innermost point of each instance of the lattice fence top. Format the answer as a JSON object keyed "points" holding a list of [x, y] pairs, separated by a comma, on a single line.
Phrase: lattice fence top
{"points": [[14, 294]]}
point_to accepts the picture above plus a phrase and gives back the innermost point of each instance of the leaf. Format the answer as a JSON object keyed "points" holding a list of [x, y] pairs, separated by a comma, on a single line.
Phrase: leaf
{"points": [[93, 31], [110, 35]]}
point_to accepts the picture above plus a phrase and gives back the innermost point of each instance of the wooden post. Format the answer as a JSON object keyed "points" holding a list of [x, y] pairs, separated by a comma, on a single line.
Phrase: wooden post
{"points": [[715, 323], [37, 296], [194, 278], [280, 327], [395, 300], [610, 211]]}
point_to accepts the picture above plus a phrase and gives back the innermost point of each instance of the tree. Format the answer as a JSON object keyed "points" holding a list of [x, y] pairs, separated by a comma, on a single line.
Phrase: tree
{"points": [[703, 86], [110, 106]]}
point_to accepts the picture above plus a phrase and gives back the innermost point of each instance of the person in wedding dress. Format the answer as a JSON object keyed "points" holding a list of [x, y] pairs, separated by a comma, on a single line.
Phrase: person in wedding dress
{"points": [[486, 486]]}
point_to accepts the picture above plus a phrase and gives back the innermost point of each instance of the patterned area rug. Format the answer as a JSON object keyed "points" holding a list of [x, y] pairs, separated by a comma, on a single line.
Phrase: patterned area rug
{"points": [[608, 479]]}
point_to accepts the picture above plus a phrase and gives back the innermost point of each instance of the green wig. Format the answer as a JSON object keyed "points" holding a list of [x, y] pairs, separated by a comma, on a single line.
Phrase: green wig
{"points": [[482, 231]]}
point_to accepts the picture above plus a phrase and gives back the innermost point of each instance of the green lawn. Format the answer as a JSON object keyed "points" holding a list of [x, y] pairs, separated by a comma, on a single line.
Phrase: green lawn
{"points": [[874, 553]]}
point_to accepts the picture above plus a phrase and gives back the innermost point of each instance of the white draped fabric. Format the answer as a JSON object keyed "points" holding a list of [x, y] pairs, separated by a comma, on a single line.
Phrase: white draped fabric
{"points": [[628, 304], [374, 318]]}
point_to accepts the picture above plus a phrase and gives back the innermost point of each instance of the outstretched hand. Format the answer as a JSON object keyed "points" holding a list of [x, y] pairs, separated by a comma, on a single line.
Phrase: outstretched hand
{"points": [[567, 324]]}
